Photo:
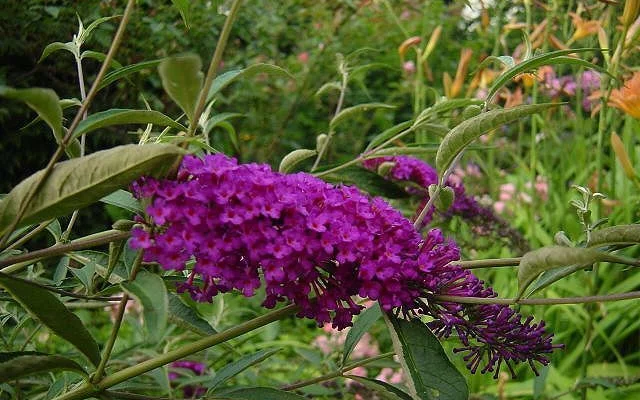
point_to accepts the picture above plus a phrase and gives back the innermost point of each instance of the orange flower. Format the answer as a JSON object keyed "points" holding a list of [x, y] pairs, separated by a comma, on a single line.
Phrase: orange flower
{"points": [[453, 88], [627, 98], [583, 28]]}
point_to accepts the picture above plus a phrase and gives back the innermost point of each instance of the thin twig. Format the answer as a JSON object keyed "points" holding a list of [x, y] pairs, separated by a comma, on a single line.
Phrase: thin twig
{"points": [[561, 300]]}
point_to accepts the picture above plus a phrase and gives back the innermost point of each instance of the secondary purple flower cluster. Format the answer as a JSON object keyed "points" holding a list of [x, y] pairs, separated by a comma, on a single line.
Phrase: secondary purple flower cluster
{"points": [[197, 368], [317, 246], [557, 87], [411, 169]]}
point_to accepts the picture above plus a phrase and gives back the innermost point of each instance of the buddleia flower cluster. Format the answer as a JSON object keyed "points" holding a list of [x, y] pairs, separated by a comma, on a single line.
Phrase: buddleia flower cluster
{"points": [[410, 169], [243, 226]]}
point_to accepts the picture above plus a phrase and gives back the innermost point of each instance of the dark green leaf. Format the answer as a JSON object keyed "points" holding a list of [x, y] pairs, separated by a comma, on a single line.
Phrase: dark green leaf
{"points": [[123, 117], [261, 393], [64, 104], [218, 119], [368, 181], [430, 373], [360, 108], [230, 370], [82, 181], [96, 55], [553, 275], [362, 325], [53, 314], [86, 32], [126, 71], [125, 200], [17, 364], [151, 292], [55, 230], [186, 317], [182, 80], [295, 157], [115, 251], [229, 77], [466, 132], [384, 390]]}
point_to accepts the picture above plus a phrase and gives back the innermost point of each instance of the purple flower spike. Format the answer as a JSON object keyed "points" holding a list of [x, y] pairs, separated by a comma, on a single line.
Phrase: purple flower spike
{"points": [[318, 246]]}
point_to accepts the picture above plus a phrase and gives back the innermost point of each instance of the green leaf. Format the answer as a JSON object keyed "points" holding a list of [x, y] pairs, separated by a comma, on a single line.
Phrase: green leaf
{"points": [[507, 61], [186, 317], [96, 55], [442, 107], [125, 200], [430, 373], [384, 390], [615, 235], [43, 101], [404, 150], [86, 33], [82, 181], [552, 276], [295, 157], [183, 7], [123, 117], [151, 292], [64, 104], [14, 365], [224, 80], [56, 46], [362, 325], [123, 72], [182, 80], [46, 307], [230, 370], [368, 181], [388, 134], [360, 108], [467, 131], [218, 119], [262, 393], [328, 86], [55, 230], [531, 64], [115, 251], [537, 261]]}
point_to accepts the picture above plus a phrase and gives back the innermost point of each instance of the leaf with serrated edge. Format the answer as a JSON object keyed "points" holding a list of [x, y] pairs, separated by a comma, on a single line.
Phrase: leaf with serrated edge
{"points": [[294, 158], [363, 323], [183, 315], [427, 367], [151, 292], [82, 181], [14, 365], [113, 117], [182, 80], [466, 132], [50, 311], [230, 370]]}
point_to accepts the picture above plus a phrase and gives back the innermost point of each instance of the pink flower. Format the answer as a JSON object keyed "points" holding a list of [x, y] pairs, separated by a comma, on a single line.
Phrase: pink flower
{"points": [[303, 57], [409, 67]]}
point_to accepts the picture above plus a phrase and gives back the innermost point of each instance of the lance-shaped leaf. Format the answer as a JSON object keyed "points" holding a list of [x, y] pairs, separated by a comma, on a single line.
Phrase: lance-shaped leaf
{"points": [[360, 108], [82, 181], [230, 370], [537, 261], [182, 80], [56, 46], [368, 181], [50, 311], [388, 134], [112, 117], [219, 119], [616, 235], [430, 374], [186, 317], [98, 56], [362, 325], [294, 158], [124, 72], [384, 390], [466, 132], [262, 393], [151, 292], [443, 107], [64, 104], [15, 365], [183, 8], [533, 63], [552, 276], [123, 199], [229, 77]]}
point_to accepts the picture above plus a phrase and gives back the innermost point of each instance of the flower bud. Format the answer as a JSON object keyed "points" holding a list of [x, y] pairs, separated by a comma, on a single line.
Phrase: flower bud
{"points": [[631, 10]]}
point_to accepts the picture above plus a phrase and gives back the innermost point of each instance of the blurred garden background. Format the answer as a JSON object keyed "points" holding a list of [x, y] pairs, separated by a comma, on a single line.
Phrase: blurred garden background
{"points": [[401, 56]]}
